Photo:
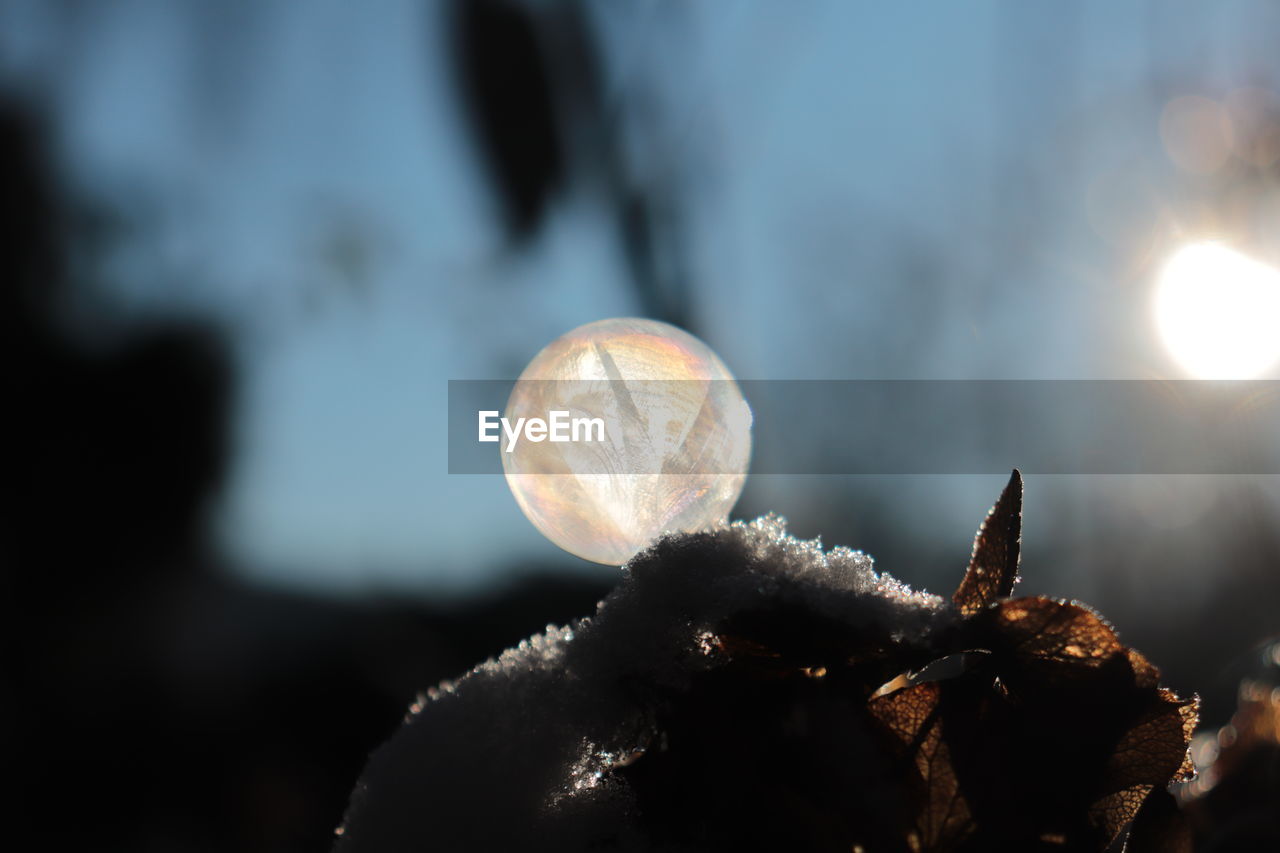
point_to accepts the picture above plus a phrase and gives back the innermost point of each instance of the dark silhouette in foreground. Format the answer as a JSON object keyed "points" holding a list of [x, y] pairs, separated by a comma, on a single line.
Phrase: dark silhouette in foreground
{"points": [[149, 700], [742, 689]]}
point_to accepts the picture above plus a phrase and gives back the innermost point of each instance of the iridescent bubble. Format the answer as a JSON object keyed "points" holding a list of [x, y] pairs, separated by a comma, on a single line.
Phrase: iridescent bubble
{"points": [[668, 453]]}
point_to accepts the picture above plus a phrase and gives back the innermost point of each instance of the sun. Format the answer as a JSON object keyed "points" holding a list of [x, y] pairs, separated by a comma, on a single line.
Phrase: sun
{"points": [[1218, 312]]}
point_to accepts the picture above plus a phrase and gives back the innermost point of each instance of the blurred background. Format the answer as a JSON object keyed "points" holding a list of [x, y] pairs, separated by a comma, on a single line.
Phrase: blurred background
{"points": [[246, 244]]}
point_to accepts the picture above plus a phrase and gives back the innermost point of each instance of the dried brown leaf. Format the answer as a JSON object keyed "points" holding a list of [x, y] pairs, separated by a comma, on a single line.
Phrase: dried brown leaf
{"points": [[907, 712], [1046, 636], [1159, 827], [943, 819], [993, 566], [1145, 673], [1111, 812], [1154, 749]]}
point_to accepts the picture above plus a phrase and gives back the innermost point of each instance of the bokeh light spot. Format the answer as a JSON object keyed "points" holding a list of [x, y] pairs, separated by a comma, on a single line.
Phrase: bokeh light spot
{"points": [[1197, 134]]}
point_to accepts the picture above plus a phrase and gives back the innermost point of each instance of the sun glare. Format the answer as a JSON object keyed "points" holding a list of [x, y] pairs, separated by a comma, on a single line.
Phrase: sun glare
{"points": [[1218, 312]]}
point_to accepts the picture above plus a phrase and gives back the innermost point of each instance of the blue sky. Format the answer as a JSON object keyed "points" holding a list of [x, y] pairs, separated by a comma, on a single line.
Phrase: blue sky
{"points": [[328, 212]]}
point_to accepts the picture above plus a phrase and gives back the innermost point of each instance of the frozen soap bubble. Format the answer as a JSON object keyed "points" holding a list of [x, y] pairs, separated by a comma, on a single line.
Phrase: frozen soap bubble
{"points": [[668, 453]]}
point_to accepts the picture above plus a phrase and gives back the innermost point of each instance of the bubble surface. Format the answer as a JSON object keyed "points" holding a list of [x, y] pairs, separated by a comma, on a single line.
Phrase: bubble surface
{"points": [[675, 430]]}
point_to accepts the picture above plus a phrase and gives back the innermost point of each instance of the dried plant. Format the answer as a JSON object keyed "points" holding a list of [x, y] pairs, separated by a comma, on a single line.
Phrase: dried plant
{"points": [[741, 689]]}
